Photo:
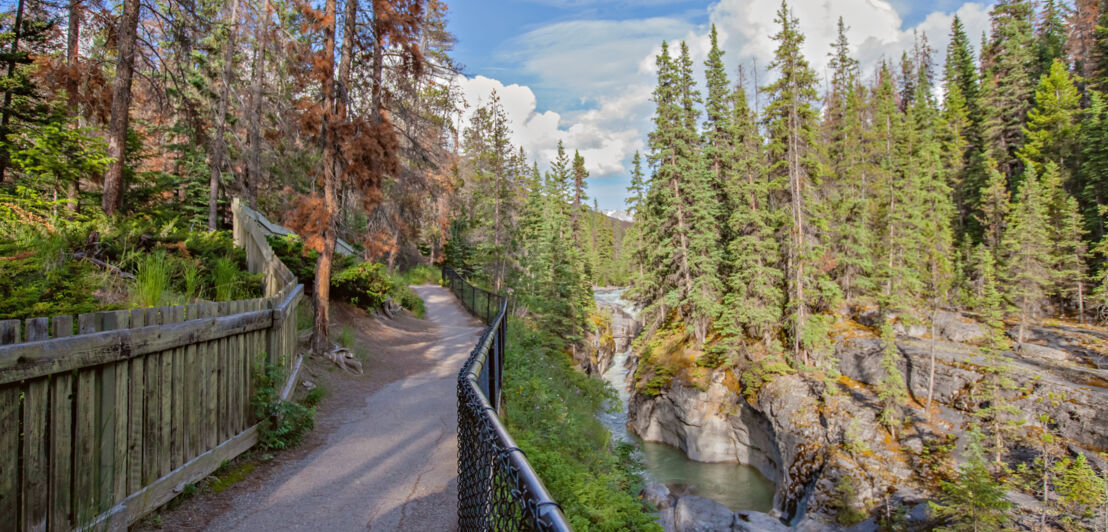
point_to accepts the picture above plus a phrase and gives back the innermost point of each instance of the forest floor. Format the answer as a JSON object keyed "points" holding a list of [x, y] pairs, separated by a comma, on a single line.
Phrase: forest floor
{"points": [[383, 455]]}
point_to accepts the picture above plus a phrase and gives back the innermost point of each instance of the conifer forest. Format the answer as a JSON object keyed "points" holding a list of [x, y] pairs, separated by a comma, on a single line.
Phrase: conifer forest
{"points": [[881, 287]]}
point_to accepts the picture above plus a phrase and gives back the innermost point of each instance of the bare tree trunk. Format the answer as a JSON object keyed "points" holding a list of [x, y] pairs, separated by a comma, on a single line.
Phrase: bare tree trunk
{"points": [[218, 141], [127, 35], [321, 296], [254, 135], [931, 373], [5, 157], [71, 88]]}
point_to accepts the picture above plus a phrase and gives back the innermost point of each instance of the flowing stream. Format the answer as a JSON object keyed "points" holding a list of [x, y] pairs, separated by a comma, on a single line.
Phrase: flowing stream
{"points": [[737, 486]]}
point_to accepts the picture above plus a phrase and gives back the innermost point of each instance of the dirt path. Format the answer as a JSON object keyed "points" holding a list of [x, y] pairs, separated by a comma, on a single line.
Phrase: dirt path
{"points": [[388, 458]]}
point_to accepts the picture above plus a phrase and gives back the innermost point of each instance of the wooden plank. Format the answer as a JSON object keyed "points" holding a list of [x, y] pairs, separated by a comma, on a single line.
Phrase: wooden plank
{"points": [[138, 504], [86, 467], [62, 455], [28, 360], [111, 418], [152, 420], [36, 467], [10, 407], [211, 387], [178, 437], [166, 448], [193, 390], [135, 415]]}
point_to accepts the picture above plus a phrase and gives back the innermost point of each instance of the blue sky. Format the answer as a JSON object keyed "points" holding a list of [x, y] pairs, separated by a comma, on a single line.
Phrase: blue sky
{"points": [[581, 70]]}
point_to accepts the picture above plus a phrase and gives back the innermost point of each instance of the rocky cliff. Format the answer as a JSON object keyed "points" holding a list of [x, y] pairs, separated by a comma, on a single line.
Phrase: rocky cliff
{"points": [[820, 442]]}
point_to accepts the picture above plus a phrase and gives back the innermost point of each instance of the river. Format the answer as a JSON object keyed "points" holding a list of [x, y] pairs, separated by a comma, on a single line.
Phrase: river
{"points": [[737, 486]]}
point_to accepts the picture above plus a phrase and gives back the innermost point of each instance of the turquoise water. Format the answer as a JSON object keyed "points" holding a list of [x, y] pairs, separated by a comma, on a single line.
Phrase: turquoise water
{"points": [[737, 486]]}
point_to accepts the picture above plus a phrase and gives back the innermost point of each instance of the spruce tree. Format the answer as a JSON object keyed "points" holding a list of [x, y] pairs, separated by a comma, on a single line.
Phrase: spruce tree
{"points": [[1027, 251], [753, 303], [1050, 35], [1093, 141], [849, 192], [1068, 248], [1053, 124], [1008, 61], [994, 209], [791, 122], [994, 411], [976, 500], [717, 126], [891, 389]]}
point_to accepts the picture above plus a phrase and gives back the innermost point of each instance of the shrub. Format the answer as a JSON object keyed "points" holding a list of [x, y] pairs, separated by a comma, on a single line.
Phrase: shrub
{"points": [[551, 411], [410, 300], [365, 285], [283, 423]]}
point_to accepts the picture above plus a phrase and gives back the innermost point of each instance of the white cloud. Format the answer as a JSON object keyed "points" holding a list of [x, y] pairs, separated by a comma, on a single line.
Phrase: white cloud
{"points": [[596, 133], [599, 74]]}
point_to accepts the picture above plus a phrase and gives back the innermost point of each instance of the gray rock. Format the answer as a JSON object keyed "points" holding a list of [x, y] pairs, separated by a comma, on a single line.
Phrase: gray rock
{"points": [[665, 520], [698, 514], [920, 513], [749, 521], [954, 327], [869, 525], [1043, 353], [658, 494], [812, 524]]}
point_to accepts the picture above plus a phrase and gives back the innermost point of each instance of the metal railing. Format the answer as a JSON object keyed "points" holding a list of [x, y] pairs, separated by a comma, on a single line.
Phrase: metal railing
{"points": [[497, 487]]}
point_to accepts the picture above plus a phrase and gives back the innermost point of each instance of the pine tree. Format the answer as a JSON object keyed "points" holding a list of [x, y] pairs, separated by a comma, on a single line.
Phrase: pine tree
{"points": [[1027, 251], [791, 121], [1050, 35], [633, 247], [753, 303], [891, 389], [1082, 23], [847, 151], [1068, 248], [1053, 124], [994, 410], [962, 118], [1093, 141], [1098, 67], [994, 209], [717, 126], [975, 501], [1008, 60]]}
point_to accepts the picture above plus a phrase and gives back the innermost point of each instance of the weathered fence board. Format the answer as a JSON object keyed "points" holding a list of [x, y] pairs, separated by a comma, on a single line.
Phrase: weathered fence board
{"points": [[104, 415]]}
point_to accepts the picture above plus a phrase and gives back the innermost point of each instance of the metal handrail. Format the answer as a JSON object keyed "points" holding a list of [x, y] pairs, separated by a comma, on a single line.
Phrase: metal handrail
{"points": [[497, 487]]}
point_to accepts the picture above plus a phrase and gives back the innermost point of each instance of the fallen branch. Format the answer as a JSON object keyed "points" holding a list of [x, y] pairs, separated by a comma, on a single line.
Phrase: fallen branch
{"points": [[80, 255], [344, 358]]}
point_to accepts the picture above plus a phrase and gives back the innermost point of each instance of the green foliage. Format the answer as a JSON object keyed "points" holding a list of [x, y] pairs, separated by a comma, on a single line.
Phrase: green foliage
{"points": [[551, 414], [1081, 490], [283, 423], [366, 285], [420, 274], [152, 280], [409, 300], [314, 397], [761, 373], [56, 153], [975, 500], [346, 338], [848, 503], [301, 261]]}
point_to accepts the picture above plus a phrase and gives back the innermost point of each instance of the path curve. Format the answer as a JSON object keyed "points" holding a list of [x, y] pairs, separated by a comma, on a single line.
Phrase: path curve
{"points": [[392, 464]]}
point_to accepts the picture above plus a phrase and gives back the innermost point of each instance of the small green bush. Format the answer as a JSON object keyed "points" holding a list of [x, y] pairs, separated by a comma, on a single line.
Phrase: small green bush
{"points": [[283, 423], [366, 285], [410, 300]]}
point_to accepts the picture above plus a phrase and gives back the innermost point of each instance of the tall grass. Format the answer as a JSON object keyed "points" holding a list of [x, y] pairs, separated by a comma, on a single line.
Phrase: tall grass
{"points": [[224, 274], [152, 280], [190, 274], [421, 274]]}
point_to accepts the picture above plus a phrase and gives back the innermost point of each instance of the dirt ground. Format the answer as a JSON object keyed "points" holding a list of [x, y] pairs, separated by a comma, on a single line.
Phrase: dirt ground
{"points": [[397, 354]]}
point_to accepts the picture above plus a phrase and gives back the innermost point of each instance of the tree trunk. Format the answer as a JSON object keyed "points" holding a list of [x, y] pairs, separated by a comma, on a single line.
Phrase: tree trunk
{"points": [[112, 200], [254, 135], [931, 375], [5, 157], [71, 88], [320, 342], [218, 141]]}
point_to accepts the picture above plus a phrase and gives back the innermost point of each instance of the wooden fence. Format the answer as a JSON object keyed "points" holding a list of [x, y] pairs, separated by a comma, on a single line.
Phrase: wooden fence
{"points": [[106, 416]]}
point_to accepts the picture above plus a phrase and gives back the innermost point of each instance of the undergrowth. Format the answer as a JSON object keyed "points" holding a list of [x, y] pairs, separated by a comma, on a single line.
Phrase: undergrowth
{"points": [[551, 414], [283, 423]]}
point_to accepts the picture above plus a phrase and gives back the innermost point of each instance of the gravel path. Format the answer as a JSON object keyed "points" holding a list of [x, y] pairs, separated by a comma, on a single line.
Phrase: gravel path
{"points": [[390, 463]]}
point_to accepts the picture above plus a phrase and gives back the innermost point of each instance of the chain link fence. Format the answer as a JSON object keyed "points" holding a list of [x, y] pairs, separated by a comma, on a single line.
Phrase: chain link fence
{"points": [[497, 488]]}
